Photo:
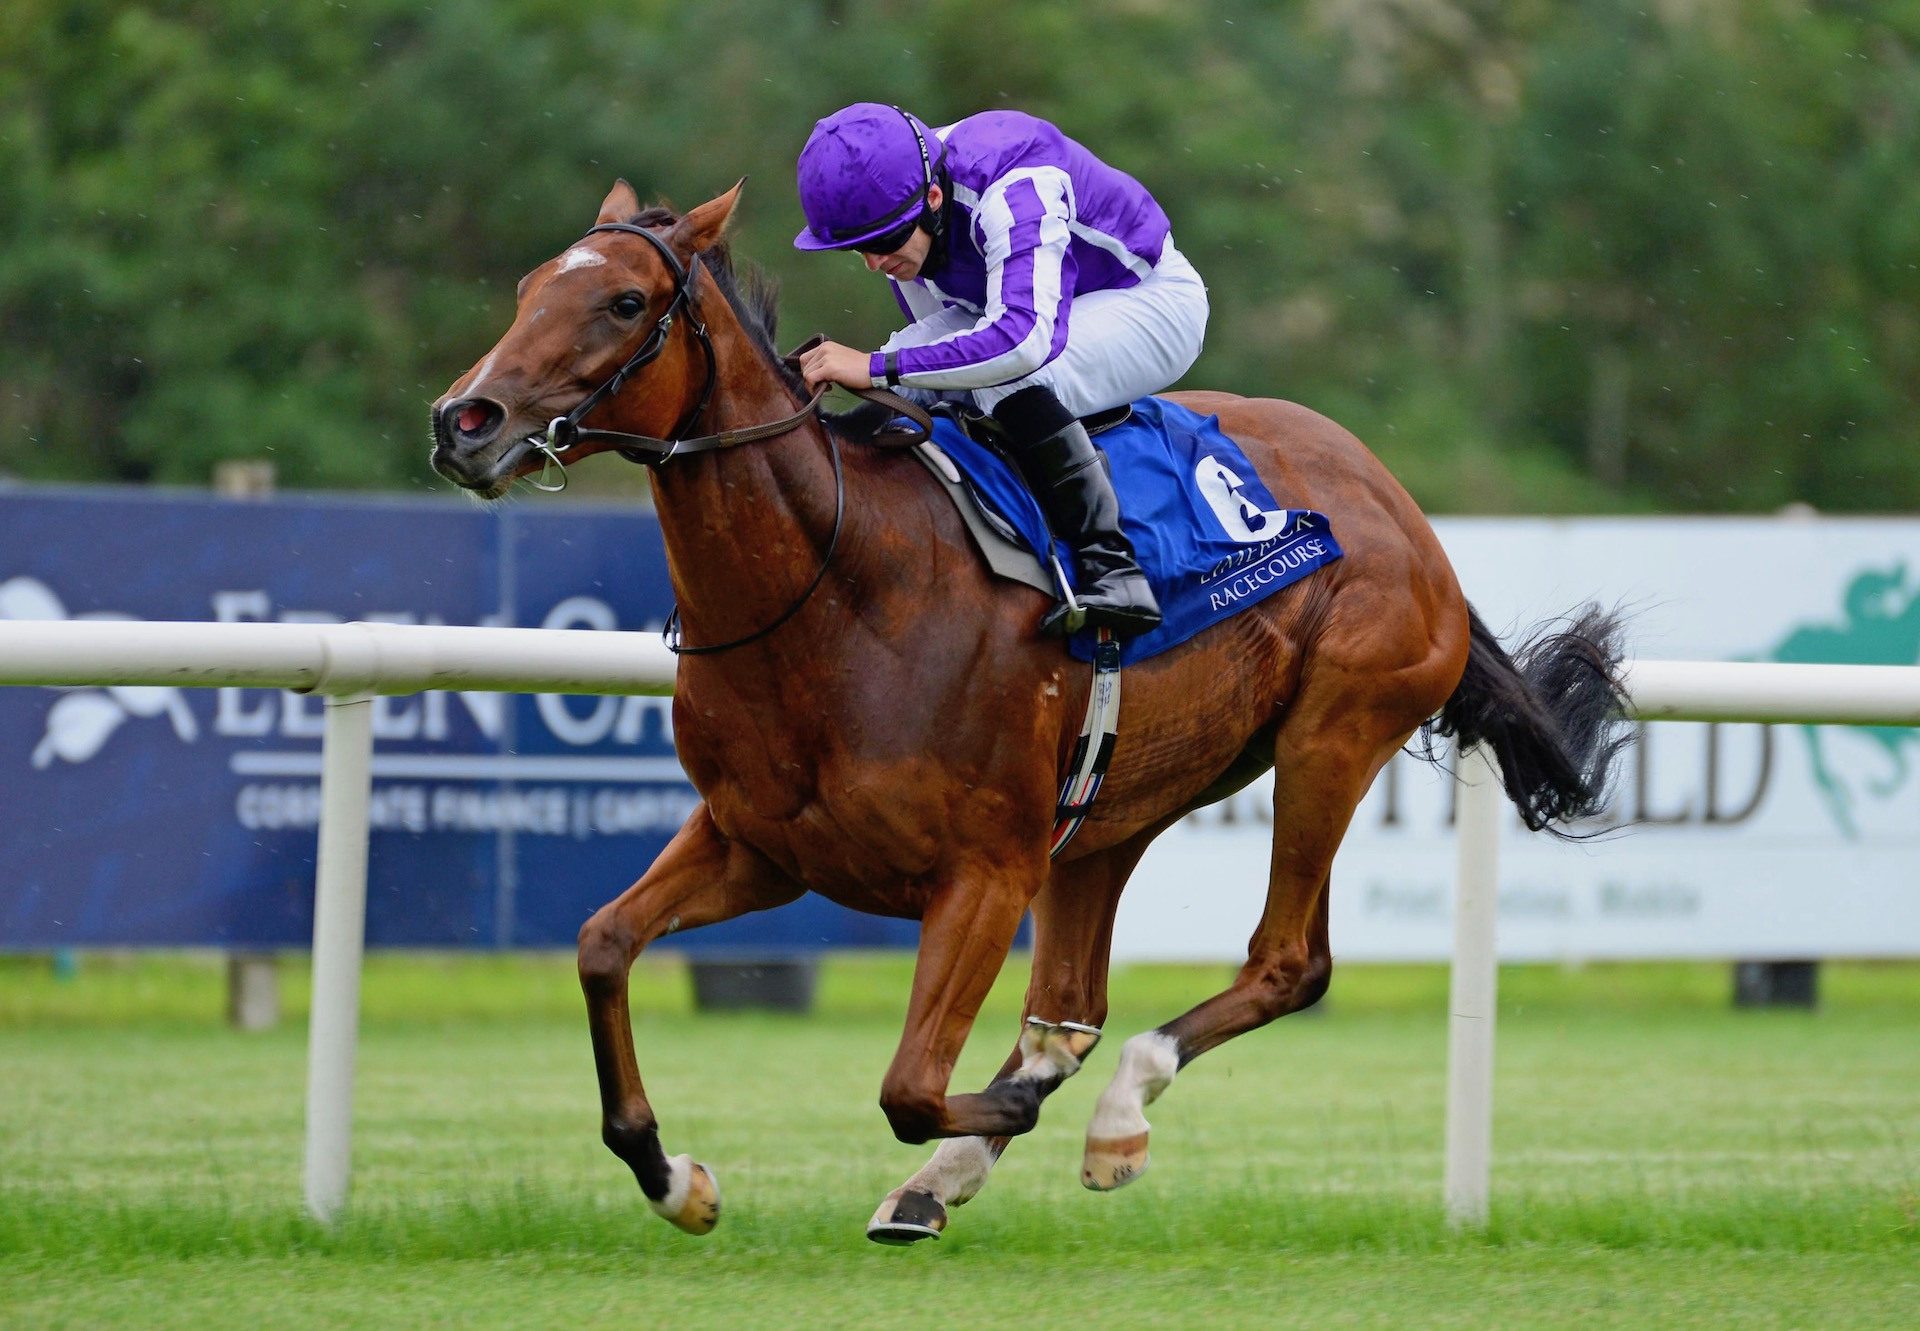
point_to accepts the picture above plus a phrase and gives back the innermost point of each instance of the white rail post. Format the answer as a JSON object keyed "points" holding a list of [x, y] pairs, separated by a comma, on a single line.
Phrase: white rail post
{"points": [[1475, 972], [339, 935]]}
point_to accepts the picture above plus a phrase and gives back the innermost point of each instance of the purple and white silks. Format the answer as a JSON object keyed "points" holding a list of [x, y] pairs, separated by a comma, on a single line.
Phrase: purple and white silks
{"points": [[1042, 232]]}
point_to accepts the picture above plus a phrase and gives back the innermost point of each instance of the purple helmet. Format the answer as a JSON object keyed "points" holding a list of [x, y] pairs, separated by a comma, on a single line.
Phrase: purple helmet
{"points": [[864, 176]]}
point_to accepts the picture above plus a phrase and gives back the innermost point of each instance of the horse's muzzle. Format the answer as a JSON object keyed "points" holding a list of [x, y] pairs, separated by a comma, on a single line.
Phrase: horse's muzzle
{"points": [[470, 446]]}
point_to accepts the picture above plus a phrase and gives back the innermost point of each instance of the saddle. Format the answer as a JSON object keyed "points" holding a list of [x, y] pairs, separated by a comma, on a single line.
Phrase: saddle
{"points": [[1000, 544], [904, 424], [1211, 537]]}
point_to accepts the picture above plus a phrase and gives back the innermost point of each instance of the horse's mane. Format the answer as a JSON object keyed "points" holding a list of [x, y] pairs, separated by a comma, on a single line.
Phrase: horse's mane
{"points": [[754, 296]]}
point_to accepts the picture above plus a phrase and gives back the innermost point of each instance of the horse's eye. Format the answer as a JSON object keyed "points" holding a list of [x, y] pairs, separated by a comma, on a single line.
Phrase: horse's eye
{"points": [[628, 306]]}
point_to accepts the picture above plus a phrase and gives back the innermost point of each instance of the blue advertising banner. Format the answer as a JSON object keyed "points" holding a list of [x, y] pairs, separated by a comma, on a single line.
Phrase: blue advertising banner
{"points": [[186, 817]]}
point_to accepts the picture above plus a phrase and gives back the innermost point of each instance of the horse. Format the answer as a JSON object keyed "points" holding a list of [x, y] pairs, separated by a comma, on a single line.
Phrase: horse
{"points": [[867, 714]]}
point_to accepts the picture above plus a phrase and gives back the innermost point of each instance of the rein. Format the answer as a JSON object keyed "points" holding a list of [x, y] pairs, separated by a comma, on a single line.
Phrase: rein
{"points": [[565, 432]]}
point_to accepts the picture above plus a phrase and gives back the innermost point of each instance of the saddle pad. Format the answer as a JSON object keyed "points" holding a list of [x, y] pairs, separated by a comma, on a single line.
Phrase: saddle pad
{"points": [[1209, 535]]}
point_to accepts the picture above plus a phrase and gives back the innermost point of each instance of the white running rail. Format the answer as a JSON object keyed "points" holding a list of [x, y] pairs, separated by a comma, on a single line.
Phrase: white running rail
{"points": [[349, 664], [1850, 695], [336, 660]]}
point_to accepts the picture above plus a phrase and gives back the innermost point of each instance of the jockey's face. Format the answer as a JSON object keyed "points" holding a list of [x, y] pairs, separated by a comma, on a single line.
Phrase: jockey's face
{"points": [[904, 264]]}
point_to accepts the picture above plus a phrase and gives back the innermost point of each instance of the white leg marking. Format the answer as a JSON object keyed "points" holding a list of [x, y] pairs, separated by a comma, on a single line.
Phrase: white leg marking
{"points": [[957, 1171], [679, 1179], [1147, 1064], [960, 1165], [1045, 1052]]}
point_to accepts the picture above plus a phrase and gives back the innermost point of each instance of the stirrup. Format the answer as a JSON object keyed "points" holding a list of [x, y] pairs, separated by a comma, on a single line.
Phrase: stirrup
{"points": [[1123, 621], [1069, 616], [1064, 620], [1128, 609]]}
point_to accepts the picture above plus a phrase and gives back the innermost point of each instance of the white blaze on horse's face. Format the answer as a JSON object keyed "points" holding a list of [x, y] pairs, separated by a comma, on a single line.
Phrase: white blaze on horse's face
{"points": [[479, 385], [579, 257]]}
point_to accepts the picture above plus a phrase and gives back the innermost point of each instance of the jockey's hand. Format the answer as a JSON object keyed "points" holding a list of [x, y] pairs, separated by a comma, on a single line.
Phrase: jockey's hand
{"points": [[831, 363]]}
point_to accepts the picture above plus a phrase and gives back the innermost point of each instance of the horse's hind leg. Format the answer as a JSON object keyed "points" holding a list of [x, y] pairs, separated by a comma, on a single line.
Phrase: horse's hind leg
{"points": [[1065, 1005], [1323, 765], [700, 878]]}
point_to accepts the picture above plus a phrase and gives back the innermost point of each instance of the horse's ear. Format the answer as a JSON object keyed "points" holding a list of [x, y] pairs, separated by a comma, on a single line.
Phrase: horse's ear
{"points": [[704, 227], [620, 204]]}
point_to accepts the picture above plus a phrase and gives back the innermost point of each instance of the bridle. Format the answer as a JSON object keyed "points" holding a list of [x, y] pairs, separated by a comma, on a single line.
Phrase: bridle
{"points": [[564, 433]]}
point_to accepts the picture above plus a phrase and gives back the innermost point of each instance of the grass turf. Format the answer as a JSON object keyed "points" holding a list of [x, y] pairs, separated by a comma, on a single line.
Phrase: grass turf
{"points": [[1660, 1159]]}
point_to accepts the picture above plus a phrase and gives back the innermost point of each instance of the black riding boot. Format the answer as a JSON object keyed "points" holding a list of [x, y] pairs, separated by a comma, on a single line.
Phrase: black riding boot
{"points": [[1068, 475]]}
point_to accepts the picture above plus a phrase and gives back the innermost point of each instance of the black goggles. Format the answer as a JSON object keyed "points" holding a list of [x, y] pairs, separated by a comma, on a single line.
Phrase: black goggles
{"points": [[892, 240]]}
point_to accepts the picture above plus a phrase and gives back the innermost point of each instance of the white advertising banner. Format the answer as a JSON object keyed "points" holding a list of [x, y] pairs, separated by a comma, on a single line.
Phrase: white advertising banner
{"points": [[1727, 840]]}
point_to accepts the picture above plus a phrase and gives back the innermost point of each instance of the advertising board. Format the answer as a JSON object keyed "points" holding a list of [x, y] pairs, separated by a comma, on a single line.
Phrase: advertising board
{"points": [[159, 816], [162, 816], [1721, 840]]}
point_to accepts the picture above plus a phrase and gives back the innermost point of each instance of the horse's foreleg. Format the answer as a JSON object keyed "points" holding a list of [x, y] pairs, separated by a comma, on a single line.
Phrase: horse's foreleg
{"points": [[1316, 786], [700, 878], [965, 933], [1047, 1054], [1066, 1002]]}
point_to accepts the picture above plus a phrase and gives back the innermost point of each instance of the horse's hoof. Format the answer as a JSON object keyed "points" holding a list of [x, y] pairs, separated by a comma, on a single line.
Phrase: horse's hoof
{"points": [[907, 1218], [692, 1202], [1114, 1162]]}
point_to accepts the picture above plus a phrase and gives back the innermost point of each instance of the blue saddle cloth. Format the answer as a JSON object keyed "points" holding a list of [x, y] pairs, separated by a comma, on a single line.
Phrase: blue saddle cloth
{"points": [[1210, 536]]}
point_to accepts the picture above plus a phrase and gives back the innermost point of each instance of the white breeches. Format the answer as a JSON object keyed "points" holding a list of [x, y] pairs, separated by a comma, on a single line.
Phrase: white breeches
{"points": [[1121, 345]]}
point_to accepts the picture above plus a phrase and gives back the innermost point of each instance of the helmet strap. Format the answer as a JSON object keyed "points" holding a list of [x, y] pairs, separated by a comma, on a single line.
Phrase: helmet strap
{"points": [[933, 221]]}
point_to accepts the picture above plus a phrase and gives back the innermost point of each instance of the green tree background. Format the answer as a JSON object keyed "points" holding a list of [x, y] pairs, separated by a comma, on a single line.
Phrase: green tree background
{"points": [[1541, 257]]}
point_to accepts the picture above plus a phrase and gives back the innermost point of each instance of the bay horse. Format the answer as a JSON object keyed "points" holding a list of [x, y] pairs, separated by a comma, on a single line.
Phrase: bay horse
{"points": [[886, 727]]}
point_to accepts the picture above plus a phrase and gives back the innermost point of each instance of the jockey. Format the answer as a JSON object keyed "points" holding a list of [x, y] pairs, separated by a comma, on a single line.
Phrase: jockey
{"points": [[1043, 287]]}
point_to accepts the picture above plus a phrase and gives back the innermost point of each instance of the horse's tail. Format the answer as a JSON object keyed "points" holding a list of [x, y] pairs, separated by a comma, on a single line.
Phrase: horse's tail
{"points": [[1551, 712]]}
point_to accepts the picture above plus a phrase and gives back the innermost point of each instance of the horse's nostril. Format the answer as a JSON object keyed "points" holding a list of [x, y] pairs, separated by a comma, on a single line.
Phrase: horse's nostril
{"points": [[470, 421]]}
